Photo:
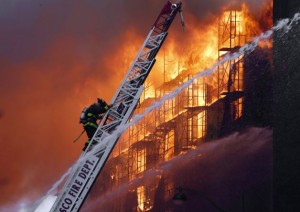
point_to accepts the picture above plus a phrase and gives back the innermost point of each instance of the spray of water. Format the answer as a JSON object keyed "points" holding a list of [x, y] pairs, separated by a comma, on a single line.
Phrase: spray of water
{"points": [[284, 25], [243, 147]]}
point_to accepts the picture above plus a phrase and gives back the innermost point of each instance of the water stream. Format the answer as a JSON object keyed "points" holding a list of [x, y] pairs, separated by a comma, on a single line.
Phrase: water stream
{"points": [[283, 26]]}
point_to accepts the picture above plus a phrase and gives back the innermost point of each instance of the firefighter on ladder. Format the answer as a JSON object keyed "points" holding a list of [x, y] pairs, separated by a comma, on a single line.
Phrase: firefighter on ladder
{"points": [[89, 117]]}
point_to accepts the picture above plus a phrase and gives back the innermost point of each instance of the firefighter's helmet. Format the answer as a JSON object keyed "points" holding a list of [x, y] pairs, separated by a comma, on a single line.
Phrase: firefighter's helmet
{"points": [[101, 101]]}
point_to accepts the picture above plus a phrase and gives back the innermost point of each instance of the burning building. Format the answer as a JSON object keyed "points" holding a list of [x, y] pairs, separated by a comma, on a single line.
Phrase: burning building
{"points": [[231, 99]]}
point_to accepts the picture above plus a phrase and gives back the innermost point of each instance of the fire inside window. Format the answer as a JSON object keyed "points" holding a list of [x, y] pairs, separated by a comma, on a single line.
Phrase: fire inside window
{"points": [[141, 160], [169, 145], [181, 122], [201, 119], [168, 109], [145, 196]]}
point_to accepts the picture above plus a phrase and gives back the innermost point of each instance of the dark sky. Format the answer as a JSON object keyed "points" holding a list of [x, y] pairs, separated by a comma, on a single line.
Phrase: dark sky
{"points": [[56, 57]]}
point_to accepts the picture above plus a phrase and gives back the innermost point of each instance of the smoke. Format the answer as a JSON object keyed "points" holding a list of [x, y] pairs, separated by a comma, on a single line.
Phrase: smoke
{"points": [[56, 57], [1, 115], [46, 204], [230, 159], [284, 25], [203, 10]]}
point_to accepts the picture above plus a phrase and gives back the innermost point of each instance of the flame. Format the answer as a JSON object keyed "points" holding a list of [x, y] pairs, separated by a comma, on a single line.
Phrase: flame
{"points": [[194, 51], [169, 145], [197, 53], [144, 204], [149, 91], [175, 60]]}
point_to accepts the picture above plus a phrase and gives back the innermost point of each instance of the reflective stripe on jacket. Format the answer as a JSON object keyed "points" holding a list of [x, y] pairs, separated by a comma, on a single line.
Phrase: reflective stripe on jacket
{"points": [[91, 124], [92, 115]]}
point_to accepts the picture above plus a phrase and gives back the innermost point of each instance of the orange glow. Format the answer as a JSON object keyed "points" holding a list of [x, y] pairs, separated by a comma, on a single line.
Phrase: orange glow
{"points": [[141, 160], [149, 92], [141, 197], [169, 145], [53, 69], [177, 63], [266, 44], [144, 204], [198, 52]]}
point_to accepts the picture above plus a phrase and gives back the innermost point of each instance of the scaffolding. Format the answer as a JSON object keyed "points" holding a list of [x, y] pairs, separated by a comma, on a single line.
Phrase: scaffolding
{"points": [[181, 123], [232, 35]]}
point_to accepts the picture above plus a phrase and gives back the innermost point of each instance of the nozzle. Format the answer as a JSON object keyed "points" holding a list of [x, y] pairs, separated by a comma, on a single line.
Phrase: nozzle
{"points": [[181, 19]]}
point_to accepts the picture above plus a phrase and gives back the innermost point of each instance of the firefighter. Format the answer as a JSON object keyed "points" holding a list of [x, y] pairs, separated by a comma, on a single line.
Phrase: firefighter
{"points": [[89, 117]]}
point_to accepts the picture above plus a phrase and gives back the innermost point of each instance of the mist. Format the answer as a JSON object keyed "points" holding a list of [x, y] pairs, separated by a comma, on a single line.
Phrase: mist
{"points": [[56, 57], [231, 165]]}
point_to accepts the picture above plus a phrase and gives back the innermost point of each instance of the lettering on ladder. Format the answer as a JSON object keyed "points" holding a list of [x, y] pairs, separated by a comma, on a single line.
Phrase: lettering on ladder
{"points": [[77, 184]]}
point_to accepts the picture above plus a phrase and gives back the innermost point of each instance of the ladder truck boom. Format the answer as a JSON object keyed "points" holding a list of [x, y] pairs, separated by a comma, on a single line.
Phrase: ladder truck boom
{"points": [[85, 171]]}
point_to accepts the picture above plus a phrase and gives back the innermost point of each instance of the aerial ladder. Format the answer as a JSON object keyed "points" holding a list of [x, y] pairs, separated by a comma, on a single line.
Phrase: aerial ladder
{"points": [[85, 171]]}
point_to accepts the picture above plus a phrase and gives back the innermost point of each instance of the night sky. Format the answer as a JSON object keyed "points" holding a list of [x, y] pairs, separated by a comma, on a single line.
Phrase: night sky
{"points": [[58, 56]]}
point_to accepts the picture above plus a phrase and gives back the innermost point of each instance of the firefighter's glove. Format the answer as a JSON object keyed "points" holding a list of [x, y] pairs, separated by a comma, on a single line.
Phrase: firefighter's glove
{"points": [[107, 107]]}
